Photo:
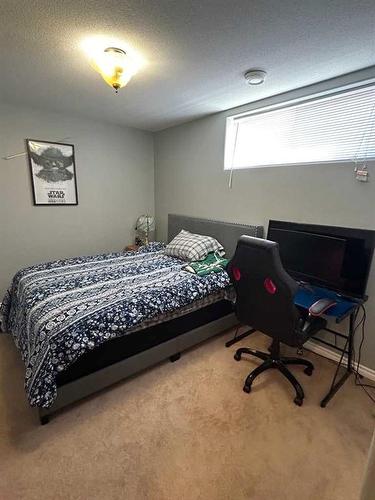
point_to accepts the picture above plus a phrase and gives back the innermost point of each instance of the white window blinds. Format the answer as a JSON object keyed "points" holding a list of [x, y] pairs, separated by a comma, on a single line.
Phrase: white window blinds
{"points": [[333, 128]]}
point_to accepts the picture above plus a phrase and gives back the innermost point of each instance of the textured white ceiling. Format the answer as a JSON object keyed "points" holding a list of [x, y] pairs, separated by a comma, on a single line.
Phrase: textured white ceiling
{"points": [[197, 52]]}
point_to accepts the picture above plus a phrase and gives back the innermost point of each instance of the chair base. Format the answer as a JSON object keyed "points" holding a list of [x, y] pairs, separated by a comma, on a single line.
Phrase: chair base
{"points": [[274, 360]]}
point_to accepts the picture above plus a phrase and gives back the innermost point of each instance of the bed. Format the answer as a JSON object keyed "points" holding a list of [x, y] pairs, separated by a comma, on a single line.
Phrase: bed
{"points": [[83, 324]]}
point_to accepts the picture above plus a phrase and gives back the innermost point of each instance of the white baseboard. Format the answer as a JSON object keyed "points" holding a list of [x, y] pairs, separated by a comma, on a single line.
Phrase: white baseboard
{"points": [[335, 356]]}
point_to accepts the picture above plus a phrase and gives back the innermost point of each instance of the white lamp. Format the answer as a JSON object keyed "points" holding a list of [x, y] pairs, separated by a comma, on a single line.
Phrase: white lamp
{"points": [[145, 224]]}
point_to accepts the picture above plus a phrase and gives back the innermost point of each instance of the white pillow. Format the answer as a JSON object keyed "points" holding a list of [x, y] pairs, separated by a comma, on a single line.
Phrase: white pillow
{"points": [[190, 246]]}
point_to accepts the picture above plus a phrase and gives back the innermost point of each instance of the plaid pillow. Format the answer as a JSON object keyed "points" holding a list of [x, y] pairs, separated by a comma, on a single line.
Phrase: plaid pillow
{"points": [[189, 246]]}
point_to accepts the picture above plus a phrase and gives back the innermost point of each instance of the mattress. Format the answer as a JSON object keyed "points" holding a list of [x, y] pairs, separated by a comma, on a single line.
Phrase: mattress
{"points": [[60, 310]]}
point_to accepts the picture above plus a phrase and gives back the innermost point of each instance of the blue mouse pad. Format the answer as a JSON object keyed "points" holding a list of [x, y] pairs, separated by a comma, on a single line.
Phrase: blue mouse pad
{"points": [[306, 296]]}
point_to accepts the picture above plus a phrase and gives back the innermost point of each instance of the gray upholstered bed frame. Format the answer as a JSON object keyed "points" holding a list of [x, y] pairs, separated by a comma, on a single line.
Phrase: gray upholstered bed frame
{"points": [[228, 234]]}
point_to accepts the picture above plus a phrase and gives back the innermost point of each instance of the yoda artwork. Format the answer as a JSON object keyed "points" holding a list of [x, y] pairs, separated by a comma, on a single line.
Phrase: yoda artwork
{"points": [[53, 172], [54, 165]]}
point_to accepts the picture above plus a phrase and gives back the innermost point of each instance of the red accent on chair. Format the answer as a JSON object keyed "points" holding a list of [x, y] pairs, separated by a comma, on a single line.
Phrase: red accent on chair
{"points": [[270, 286], [236, 273]]}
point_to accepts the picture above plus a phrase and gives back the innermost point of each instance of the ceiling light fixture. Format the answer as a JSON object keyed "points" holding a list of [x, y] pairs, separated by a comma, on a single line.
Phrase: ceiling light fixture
{"points": [[115, 66], [255, 76]]}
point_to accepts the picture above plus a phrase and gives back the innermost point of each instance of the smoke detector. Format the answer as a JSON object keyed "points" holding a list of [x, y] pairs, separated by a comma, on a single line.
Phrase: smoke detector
{"points": [[255, 76]]}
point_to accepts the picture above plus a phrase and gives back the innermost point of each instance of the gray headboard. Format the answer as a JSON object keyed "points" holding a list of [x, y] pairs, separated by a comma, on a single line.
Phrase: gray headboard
{"points": [[227, 233]]}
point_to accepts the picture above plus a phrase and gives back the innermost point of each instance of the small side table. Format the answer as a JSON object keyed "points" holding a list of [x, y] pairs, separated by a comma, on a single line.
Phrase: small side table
{"points": [[131, 248]]}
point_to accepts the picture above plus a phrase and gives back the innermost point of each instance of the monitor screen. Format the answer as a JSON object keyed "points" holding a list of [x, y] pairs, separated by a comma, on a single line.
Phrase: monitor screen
{"points": [[331, 257]]}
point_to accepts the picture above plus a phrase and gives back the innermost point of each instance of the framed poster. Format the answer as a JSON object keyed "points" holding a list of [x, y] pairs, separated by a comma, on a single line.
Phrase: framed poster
{"points": [[53, 172]]}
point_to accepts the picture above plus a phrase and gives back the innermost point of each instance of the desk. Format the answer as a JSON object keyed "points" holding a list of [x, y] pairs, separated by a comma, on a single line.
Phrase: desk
{"points": [[345, 308]]}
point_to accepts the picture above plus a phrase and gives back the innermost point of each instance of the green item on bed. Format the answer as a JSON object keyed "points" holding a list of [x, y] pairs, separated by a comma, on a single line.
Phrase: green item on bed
{"points": [[213, 263]]}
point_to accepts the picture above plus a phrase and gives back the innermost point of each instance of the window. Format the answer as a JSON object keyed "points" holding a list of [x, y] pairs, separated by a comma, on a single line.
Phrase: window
{"points": [[336, 128]]}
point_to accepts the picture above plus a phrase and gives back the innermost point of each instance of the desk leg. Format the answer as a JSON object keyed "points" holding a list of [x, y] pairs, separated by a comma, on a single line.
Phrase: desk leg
{"points": [[335, 386], [351, 342]]}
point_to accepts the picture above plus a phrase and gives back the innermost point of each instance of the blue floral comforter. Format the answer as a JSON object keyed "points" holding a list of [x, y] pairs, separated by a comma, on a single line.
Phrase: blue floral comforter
{"points": [[58, 311]]}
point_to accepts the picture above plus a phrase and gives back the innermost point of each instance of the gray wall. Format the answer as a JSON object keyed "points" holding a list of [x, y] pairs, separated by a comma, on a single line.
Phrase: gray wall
{"points": [[115, 172], [189, 179]]}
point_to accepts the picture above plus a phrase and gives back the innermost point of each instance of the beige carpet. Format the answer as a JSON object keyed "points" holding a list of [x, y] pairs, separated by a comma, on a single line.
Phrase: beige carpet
{"points": [[187, 431]]}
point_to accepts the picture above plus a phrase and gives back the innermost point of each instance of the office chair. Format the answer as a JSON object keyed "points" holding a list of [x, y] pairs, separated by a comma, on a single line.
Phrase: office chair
{"points": [[265, 301]]}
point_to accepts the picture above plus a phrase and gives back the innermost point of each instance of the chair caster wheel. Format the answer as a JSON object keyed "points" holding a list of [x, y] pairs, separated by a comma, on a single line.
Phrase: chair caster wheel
{"points": [[247, 388], [298, 401], [308, 370], [237, 357]]}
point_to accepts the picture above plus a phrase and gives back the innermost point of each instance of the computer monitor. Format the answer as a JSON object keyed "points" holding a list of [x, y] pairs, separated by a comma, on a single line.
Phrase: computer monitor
{"points": [[336, 258]]}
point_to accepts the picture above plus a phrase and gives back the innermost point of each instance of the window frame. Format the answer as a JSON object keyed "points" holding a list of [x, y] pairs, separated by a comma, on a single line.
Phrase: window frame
{"points": [[231, 120]]}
